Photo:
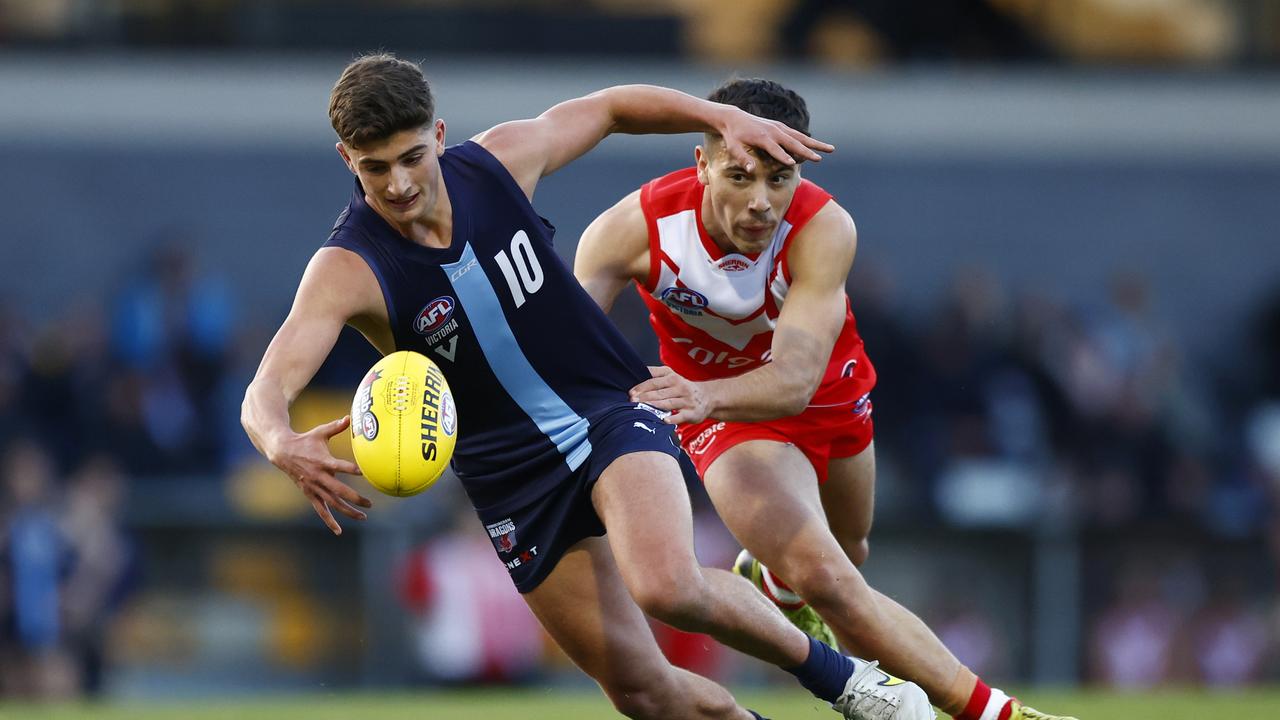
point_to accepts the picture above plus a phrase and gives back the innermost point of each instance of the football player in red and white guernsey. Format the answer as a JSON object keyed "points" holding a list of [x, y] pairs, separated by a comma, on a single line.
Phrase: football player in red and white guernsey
{"points": [[743, 268]]}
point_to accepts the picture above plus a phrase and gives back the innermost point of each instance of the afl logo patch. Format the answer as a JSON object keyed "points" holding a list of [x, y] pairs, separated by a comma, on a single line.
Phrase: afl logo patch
{"points": [[369, 426], [434, 315], [684, 300], [448, 415], [363, 421]]}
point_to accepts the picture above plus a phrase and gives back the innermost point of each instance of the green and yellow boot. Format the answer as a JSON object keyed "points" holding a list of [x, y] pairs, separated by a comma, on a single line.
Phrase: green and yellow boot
{"points": [[792, 605]]}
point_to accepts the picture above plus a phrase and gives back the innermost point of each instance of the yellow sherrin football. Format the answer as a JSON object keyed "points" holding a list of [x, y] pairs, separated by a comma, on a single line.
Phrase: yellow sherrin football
{"points": [[403, 424]]}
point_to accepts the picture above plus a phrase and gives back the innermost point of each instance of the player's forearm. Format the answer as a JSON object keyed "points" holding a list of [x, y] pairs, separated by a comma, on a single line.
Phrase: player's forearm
{"points": [[264, 414], [648, 109], [767, 393]]}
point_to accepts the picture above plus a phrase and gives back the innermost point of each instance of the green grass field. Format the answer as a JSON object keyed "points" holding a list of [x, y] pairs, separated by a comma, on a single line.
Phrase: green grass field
{"points": [[569, 705]]}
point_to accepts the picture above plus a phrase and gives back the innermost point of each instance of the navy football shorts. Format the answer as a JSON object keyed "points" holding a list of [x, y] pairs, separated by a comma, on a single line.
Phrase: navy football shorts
{"points": [[531, 539]]}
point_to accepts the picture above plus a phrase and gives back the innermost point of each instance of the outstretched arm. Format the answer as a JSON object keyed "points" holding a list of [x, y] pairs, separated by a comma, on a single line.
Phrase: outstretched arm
{"points": [[334, 289], [613, 250], [531, 149], [810, 322]]}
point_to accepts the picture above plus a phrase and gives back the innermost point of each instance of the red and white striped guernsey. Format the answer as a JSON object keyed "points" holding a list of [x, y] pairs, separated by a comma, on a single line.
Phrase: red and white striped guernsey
{"points": [[715, 312]]}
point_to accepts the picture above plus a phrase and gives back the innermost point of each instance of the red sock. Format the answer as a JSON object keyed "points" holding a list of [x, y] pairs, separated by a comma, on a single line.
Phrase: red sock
{"points": [[986, 704]]}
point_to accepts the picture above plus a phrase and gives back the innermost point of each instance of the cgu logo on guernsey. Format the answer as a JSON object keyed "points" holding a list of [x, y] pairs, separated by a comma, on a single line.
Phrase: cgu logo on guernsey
{"points": [[686, 301], [434, 315]]}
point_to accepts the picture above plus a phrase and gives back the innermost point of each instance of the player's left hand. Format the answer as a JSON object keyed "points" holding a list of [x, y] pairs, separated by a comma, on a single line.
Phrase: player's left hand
{"points": [[743, 131], [667, 390]]}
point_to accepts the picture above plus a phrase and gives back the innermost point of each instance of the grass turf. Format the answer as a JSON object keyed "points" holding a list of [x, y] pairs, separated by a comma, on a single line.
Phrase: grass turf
{"points": [[573, 705]]}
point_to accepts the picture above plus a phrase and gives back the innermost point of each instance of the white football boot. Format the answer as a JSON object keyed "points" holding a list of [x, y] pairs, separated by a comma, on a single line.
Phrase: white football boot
{"points": [[873, 694]]}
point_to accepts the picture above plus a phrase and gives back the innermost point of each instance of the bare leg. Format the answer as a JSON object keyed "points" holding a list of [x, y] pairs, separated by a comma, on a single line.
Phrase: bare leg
{"points": [[585, 607], [848, 501], [767, 494], [644, 504]]}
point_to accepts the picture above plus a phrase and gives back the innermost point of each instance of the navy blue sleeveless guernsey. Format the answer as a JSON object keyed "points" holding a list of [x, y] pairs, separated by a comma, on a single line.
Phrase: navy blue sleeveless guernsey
{"points": [[532, 361]]}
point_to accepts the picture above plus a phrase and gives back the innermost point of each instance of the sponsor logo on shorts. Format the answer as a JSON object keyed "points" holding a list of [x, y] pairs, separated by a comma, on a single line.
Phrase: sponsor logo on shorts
{"points": [[525, 557], [862, 406], [503, 535], [685, 301], [849, 367], [700, 444], [661, 414], [642, 426]]}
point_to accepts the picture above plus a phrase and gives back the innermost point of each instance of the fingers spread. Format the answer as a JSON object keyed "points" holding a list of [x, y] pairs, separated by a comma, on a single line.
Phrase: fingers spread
{"points": [[333, 428], [334, 489], [345, 508], [349, 494], [323, 511], [344, 466], [780, 153]]}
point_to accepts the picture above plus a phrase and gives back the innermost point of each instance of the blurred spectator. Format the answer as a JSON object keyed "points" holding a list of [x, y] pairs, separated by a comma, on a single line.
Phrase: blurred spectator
{"points": [[921, 29], [1230, 640], [1132, 642], [969, 632], [13, 370], [67, 380], [471, 625], [103, 559], [1268, 345], [172, 334], [34, 555]]}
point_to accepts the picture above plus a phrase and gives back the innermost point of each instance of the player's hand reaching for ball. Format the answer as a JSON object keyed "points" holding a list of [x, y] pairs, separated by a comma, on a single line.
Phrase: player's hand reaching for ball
{"points": [[666, 390], [305, 457], [742, 131]]}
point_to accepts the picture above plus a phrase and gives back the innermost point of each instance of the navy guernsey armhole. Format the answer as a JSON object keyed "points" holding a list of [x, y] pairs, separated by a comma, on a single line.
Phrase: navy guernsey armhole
{"points": [[341, 241], [478, 154]]}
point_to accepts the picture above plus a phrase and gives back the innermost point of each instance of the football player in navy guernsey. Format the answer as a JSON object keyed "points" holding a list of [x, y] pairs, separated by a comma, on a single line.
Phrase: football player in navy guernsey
{"points": [[440, 251]]}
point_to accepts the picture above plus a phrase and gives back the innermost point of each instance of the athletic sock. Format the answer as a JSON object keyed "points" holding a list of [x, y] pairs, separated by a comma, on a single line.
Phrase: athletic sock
{"points": [[986, 703], [824, 673]]}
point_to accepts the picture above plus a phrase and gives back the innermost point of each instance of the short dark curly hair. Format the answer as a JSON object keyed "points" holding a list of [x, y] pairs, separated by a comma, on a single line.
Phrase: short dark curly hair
{"points": [[377, 96], [766, 99]]}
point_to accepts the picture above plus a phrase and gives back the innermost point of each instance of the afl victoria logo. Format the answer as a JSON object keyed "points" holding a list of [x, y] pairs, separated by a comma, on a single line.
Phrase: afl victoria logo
{"points": [[434, 315], [684, 300]]}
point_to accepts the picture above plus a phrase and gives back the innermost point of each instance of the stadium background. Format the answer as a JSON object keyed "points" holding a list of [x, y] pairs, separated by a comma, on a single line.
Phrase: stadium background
{"points": [[1068, 278]]}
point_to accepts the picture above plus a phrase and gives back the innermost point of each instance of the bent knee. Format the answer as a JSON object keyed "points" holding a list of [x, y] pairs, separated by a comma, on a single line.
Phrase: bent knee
{"points": [[640, 703], [679, 600], [827, 584]]}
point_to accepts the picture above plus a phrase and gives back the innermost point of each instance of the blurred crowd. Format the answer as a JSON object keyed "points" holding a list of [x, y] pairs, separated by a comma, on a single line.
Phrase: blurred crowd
{"points": [[995, 408], [1006, 406], [838, 32]]}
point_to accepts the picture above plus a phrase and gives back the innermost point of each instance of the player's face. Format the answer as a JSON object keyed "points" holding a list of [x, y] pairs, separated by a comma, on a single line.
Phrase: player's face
{"points": [[400, 174], [742, 208]]}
